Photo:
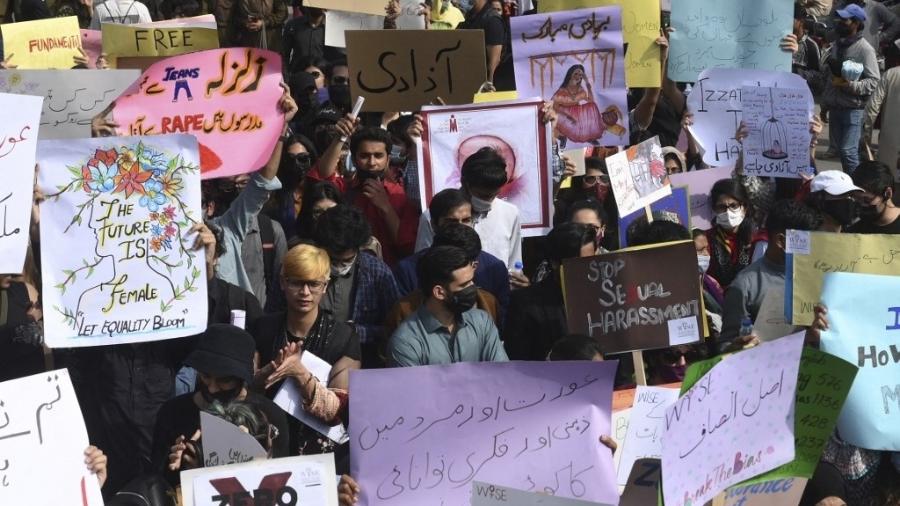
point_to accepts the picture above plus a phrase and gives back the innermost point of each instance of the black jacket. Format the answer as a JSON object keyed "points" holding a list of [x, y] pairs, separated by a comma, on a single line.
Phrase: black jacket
{"points": [[536, 319]]}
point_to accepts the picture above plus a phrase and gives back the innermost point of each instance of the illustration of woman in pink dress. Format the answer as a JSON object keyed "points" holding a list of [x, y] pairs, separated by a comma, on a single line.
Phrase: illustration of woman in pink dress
{"points": [[578, 115]]}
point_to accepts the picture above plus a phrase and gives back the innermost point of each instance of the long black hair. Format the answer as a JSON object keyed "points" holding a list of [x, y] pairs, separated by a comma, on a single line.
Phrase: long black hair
{"points": [[313, 194], [571, 71], [733, 188]]}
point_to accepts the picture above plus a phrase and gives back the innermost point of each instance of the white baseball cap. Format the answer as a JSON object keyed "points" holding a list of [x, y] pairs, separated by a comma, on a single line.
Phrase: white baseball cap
{"points": [[833, 182]]}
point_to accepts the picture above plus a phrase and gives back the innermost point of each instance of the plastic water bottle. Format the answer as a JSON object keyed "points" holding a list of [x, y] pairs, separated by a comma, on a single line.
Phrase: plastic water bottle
{"points": [[517, 268], [746, 327]]}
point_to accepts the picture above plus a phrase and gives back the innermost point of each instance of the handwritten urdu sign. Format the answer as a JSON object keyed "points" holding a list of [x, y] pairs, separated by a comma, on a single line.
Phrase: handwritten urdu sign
{"points": [[44, 437], [533, 426], [864, 329], [225, 443], [778, 124], [635, 299], [18, 142], [402, 70], [574, 59], [308, 480], [42, 44], [729, 34], [227, 98], [73, 97], [638, 176], [645, 427], [123, 207]]}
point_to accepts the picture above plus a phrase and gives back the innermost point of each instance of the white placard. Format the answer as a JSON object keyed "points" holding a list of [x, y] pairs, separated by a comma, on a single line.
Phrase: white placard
{"points": [[409, 18], [18, 142], [225, 443], [645, 427], [798, 242], [683, 331], [620, 421], [338, 22], [778, 124], [770, 322], [485, 494], [638, 176], [42, 444], [290, 399]]}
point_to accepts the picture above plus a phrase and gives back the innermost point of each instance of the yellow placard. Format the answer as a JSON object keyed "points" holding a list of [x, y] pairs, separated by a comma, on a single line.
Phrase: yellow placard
{"points": [[43, 44], [816, 253], [494, 96], [148, 40], [641, 25]]}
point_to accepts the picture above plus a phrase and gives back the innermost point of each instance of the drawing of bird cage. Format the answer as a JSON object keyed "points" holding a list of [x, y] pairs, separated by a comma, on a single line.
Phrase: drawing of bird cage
{"points": [[774, 134]]}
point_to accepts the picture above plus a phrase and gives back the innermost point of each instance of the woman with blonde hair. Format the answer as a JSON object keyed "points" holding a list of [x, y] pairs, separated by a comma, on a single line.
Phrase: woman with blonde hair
{"points": [[282, 338]]}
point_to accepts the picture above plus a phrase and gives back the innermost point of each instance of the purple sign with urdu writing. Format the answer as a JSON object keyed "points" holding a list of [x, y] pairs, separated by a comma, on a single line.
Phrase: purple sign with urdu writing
{"points": [[737, 422], [534, 426]]}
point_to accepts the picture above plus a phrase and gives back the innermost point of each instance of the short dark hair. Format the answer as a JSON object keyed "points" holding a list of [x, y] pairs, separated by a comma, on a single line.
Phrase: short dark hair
{"points": [[574, 347], [342, 228], [370, 134], [642, 233], [566, 240], [485, 168], [436, 267], [461, 236], [873, 177], [591, 204], [219, 234], [596, 163], [445, 201], [791, 214]]}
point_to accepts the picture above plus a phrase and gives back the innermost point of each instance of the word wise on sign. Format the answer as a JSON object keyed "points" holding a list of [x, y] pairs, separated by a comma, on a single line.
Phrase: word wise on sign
{"points": [[402, 70], [635, 299]]}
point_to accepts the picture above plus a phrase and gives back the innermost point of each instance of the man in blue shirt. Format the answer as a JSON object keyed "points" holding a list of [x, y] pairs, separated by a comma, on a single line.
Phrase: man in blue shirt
{"points": [[446, 328]]}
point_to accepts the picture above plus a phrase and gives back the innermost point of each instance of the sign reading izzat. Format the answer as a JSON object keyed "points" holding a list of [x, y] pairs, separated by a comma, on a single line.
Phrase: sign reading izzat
{"points": [[402, 70]]}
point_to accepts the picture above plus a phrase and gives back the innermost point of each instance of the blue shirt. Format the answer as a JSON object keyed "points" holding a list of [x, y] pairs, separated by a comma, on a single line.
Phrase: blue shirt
{"points": [[422, 340]]}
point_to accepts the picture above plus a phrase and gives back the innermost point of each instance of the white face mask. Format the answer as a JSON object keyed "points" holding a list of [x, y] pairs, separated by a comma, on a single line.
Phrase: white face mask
{"points": [[342, 269], [730, 219], [480, 206], [703, 263]]}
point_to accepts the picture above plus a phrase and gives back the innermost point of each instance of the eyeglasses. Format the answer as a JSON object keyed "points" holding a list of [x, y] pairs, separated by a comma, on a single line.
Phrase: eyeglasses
{"points": [[596, 179], [300, 157], [721, 208], [298, 285]]}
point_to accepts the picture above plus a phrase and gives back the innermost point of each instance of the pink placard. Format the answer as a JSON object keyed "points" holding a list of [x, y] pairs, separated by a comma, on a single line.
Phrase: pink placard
{"points": [[92, 46], [227, 98]]}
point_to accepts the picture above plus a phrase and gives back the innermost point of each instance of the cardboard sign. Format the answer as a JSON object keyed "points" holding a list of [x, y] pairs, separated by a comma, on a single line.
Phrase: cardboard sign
{"points": [[534, 426], [641, 29], [485, 494], [778, 141], [735, 423], [43, 439], [18, 142], [514, 129], [123, 206], [227, 98], [699, 183], [375, 7], [165, 38], [728, 34], [638, 176], [825, 252], [225, 443], [73, 97], [43, 44], [402, 70], [309, 480], [676, 206], [627, 299], [574, 60], [864, 329]]}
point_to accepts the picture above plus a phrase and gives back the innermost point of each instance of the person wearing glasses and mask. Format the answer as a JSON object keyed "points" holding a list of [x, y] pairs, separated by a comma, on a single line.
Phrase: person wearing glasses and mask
{"points": [[733, 237], [834, 195], [305, 327], [285, 204]]}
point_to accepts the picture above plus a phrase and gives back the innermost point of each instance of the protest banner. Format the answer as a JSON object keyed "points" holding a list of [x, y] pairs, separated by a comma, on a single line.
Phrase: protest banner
{"points": [[402, 70], [645, 426], [485, 494], [781, 492], [73, 97], [770, 321], [574, 59], [46, 439], [308, 480], [338, 23], [864, 329], [638, 176], [810, 255], [290, 399], [225, 443], [699, 183], [92, 46], [749, 397], [777, 144], [164, 38], [375, 7], [674, 207], [643, 484], [534, 426], [237, 92], [635, 299], [728, 34], [514, 129], [715, 102], [640, 28], [50, 43], [18, 142], [123, 206]]}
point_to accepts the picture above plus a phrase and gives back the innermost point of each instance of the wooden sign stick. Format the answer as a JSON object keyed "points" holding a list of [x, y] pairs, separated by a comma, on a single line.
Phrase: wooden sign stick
{"points": [[640, 375]]}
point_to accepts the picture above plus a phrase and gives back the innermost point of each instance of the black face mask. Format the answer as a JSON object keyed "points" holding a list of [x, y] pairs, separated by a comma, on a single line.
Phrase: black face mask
{"points": [[844, 211], [364, 175], [871, 211], [301, 163], [222, 396], [463, 300], [843, 30], [340, 96]]}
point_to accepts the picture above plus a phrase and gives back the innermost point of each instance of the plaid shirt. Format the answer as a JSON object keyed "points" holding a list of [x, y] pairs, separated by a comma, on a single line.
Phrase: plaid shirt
{"points": [[374, 294]]}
